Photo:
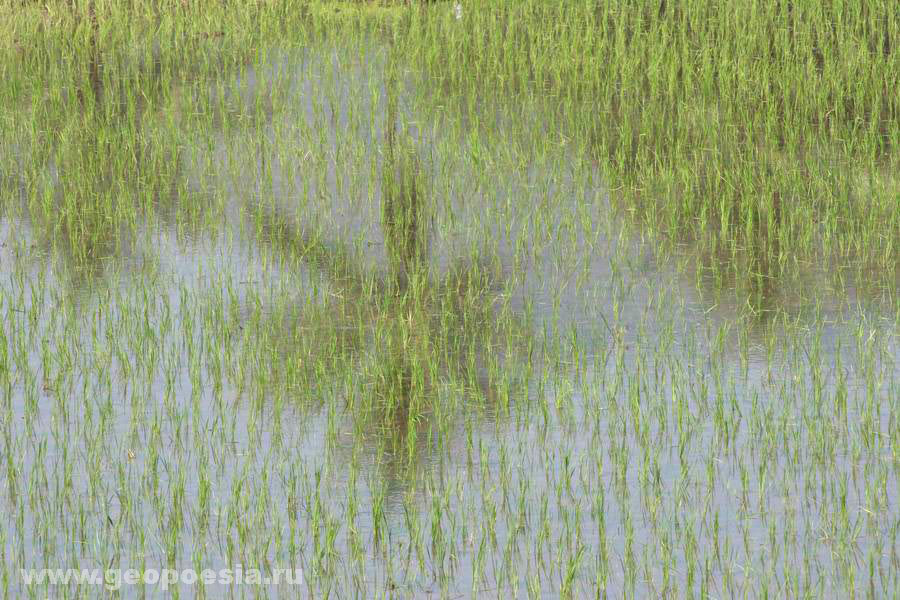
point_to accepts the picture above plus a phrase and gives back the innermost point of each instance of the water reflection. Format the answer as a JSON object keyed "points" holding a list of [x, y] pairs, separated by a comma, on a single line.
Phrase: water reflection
{"points": [[400, 358]]}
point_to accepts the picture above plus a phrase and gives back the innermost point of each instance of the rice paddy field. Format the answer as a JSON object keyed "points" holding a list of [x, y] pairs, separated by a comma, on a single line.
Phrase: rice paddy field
{"points": [[504, 299]]}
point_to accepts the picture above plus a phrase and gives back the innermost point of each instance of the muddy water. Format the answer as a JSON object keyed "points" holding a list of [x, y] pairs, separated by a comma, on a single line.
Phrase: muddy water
{"points": [[709, 438]]}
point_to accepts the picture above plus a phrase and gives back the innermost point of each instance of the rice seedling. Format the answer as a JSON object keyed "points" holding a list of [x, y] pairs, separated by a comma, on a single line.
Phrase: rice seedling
{"points": [[433, 299]]}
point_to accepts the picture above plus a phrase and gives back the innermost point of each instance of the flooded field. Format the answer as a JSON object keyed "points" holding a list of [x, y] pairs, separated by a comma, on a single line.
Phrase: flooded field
{"points": [[305, 293]]}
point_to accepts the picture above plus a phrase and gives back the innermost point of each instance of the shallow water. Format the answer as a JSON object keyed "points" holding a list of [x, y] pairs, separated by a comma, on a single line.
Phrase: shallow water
{"points": [[646, 433]]}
